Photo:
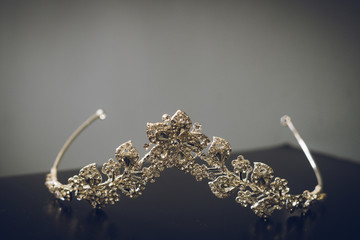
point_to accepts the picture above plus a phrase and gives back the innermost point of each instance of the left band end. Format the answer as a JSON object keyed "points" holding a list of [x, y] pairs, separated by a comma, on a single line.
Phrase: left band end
{"points": [[101, 114]]}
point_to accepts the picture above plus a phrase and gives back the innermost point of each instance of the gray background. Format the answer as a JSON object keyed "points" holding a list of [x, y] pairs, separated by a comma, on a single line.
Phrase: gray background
{"points": [[236, 67]]}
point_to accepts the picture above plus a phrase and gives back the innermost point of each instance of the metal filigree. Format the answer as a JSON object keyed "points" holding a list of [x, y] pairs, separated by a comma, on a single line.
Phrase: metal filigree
{"points": [[179, 143]]}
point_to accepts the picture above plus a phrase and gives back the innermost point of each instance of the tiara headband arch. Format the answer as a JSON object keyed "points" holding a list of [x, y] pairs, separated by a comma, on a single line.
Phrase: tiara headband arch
{"points": [[177, 142]]}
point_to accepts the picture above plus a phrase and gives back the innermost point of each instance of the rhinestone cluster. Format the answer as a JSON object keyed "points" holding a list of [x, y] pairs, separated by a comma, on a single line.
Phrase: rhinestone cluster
{"points": [[177, 142]]}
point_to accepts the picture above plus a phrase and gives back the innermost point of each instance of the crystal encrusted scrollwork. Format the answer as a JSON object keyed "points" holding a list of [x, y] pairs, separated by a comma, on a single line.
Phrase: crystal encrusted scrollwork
{"points": [[179, 143]]}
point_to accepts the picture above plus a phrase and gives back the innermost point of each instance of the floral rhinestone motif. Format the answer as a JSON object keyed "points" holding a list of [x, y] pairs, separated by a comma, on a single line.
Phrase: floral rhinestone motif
{"points": [[177, 142]]}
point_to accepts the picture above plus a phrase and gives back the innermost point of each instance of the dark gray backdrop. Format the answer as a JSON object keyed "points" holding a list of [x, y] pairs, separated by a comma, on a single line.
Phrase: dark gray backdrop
{"points": [[234, 66]]}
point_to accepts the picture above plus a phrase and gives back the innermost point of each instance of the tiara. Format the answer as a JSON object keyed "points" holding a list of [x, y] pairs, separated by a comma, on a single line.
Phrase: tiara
{"points": [[176, 142]]}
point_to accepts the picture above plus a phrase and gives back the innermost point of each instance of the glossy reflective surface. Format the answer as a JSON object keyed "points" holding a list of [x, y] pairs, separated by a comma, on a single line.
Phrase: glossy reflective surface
{"points": [[189, 210]]}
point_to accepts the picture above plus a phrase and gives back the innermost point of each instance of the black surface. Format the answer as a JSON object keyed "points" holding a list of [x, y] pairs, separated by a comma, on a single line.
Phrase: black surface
{"points": [[178, 207]]}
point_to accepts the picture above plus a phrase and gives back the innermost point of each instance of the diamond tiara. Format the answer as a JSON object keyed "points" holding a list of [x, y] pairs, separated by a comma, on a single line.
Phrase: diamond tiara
{"points": [[175, 141]]}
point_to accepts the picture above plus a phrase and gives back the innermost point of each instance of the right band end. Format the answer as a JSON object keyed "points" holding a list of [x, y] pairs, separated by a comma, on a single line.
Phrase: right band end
{"points": [[284, 120]]}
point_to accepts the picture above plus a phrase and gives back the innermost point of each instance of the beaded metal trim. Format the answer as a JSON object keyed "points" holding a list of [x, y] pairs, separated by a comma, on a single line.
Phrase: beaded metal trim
{"points": [[177, 142]]}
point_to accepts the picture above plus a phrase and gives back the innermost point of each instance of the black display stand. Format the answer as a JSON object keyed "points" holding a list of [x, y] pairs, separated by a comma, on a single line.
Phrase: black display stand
{"points": [[176, 206]]}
